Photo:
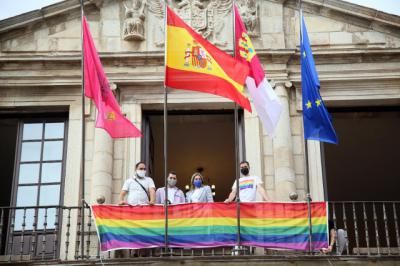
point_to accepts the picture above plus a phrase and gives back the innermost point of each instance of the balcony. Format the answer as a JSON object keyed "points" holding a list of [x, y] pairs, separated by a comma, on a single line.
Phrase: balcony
{"points": [[55, 235]]}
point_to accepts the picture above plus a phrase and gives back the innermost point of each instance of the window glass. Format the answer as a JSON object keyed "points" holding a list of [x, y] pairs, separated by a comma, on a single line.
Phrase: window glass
{"points": [[27, 196], [28, 173], [51, 172], [30, 151], [49, 217], [52, 150], [54, 131], [39, 181], [32, 131], [20, 220], [49, 195]]}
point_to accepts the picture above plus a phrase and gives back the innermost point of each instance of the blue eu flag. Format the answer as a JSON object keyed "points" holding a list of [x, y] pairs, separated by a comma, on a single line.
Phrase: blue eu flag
{"points": [[316, 119]]}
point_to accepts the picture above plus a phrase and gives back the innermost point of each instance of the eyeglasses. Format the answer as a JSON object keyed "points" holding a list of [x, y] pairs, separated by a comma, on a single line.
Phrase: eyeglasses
{"points": [[141, 168]]}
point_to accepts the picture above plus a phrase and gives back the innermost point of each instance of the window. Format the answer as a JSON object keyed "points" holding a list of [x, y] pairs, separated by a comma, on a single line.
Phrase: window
{"points": [[39, 173]]}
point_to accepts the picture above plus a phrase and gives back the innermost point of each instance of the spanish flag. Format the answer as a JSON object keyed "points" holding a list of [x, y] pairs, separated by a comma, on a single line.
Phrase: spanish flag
{"points": [[195, 64]]}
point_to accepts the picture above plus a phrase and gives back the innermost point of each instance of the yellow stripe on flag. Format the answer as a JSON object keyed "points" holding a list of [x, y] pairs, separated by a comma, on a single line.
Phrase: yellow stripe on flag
{"points": [[269, 222], [184, 53]]}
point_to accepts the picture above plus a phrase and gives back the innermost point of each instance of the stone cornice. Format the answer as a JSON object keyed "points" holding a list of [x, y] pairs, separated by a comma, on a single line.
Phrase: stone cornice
{"points": [[39, 15], [359, 13], [369, 14], [38, 70], [275, 55]]}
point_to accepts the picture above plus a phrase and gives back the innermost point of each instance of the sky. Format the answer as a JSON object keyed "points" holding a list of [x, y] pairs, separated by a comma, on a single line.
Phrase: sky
{"points": [[9, 8]]}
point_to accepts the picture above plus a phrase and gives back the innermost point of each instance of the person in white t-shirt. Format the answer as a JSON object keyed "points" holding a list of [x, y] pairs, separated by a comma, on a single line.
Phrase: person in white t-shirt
{"points": [[249, 186], [140, 188], [175, 195]]}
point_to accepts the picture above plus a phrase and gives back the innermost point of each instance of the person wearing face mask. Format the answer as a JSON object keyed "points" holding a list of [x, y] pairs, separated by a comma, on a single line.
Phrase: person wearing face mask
{"points": [[140, 188], [175, 195], [198, 191], [249, 186]]}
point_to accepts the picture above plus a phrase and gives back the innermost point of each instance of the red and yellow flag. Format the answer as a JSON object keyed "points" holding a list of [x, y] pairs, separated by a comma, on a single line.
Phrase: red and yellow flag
{"points": [[195, 64]]}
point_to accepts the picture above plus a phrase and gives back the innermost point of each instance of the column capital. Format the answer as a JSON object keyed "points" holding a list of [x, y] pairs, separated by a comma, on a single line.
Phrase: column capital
{"points": [[281, 83], [98, 3]]}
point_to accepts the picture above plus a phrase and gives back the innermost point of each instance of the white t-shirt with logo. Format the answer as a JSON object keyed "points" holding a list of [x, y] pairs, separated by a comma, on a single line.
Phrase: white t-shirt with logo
{"points": [[171, 194], [136, 194], [248, 188]]}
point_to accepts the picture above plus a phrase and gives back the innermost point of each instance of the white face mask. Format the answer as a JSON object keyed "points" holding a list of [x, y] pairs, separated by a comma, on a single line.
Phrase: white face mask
{"points": [[141, 173], [172, 182]]}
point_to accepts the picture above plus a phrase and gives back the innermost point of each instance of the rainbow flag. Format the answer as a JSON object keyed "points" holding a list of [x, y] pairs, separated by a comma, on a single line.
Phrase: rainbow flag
{"points": [[206, 225]]}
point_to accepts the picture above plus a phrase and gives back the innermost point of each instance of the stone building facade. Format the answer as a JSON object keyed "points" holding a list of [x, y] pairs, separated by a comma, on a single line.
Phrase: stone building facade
{"points": [[357, 53]]}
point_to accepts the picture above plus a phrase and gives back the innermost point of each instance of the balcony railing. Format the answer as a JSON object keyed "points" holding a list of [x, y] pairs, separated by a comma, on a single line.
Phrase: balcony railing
{"points": [[56, 233]]}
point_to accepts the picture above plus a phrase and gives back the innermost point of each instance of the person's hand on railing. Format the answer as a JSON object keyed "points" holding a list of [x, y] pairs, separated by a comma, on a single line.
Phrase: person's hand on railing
{"points": [[327, 250], [227, 200], [151, 203], [122, 202]]}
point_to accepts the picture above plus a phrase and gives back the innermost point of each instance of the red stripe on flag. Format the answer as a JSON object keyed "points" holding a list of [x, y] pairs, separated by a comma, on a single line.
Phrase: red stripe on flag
{"points": [[189, 80]]}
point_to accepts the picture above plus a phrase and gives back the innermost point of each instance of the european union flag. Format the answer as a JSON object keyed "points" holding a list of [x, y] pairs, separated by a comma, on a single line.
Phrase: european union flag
{"points": [[316, 119]]}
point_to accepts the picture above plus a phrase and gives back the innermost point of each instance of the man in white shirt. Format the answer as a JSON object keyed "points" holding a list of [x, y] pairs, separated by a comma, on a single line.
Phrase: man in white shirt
{"points": [[249, 186], [140, 188], [175, 195]]}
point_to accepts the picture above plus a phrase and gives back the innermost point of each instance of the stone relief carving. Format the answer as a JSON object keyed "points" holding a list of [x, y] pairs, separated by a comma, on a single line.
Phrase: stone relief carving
{"points": [[156, 7], [207, 17], [248, 10], [134, 20]]}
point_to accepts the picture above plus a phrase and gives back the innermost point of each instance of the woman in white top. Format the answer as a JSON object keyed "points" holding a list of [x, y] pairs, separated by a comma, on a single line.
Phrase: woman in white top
{"points": [[198, 191]]}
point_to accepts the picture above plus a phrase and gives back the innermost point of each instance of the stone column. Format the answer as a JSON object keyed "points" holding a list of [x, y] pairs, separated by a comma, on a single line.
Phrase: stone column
{"points": [[102, 168], [285, 182], [253, 138], [315, 171]]}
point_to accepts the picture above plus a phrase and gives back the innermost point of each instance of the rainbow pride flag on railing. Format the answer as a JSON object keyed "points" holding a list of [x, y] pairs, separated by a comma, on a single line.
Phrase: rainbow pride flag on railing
{"points": [[206, 225]]}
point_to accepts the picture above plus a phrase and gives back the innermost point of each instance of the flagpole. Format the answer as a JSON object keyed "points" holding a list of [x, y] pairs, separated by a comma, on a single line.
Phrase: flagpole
{"points": [[236, 141], [165, 131], [83, 139], [308, 195]]}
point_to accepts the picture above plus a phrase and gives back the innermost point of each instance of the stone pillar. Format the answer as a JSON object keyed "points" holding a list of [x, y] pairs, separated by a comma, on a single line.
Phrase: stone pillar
{"points": [[315, 171], [102, 168], [253, 138], [285, 182]]}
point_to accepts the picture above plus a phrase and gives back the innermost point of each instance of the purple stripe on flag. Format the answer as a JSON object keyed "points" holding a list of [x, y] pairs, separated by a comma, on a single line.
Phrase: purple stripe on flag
{"points": [[297, 246], [115, 244], [212, 244]]}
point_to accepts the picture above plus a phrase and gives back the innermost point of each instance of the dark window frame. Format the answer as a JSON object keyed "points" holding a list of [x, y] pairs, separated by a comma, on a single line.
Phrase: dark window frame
{"points": [[17, 162]]}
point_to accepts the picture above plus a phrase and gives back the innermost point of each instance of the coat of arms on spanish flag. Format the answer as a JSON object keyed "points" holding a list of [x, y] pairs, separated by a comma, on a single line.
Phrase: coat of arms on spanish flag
{"points": [[195, 64]]}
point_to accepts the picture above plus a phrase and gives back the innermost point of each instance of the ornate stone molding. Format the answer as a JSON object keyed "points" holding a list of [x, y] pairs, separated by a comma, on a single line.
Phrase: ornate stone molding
{"points": [[134, 20], [206, 17], [249, 12]]}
